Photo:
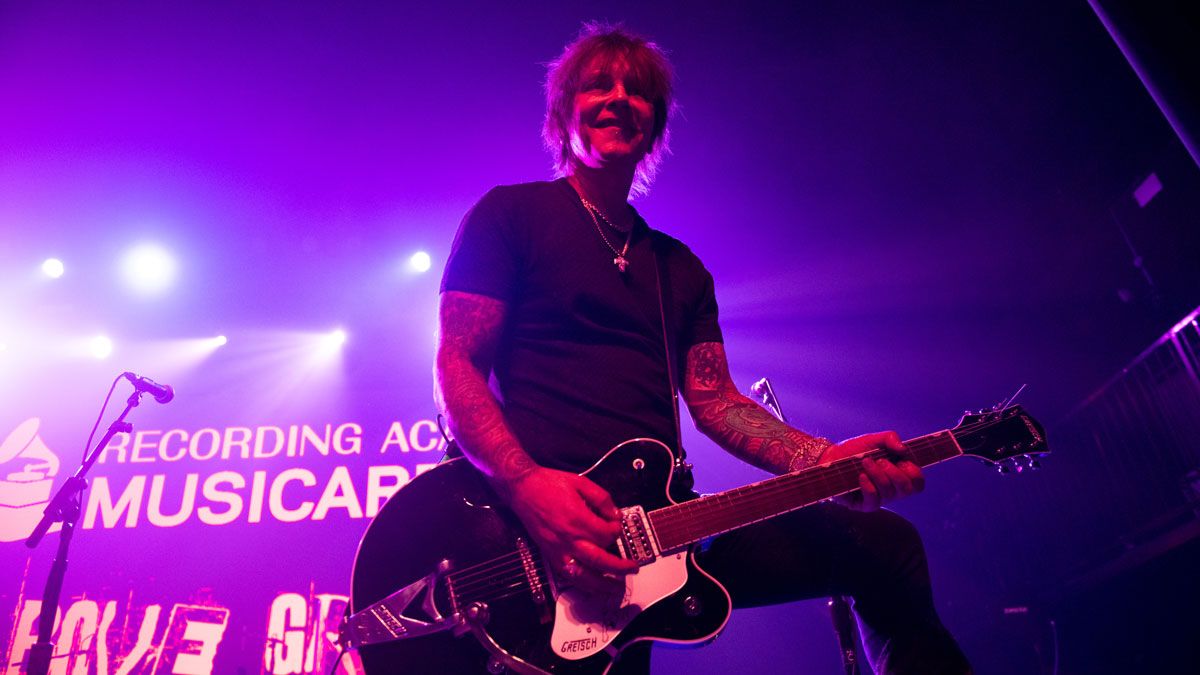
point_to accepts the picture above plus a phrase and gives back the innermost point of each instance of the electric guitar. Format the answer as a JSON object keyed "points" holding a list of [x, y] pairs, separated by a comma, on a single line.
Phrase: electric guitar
{"points": [[444, 559]]}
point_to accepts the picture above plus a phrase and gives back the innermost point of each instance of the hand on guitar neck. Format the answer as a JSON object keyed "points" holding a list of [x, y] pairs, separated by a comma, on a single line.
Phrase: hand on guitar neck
{"points": [[882, 480]]}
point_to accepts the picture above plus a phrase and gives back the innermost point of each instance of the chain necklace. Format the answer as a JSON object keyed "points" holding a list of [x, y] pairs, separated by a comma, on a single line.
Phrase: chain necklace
{"points": [[597, 215]]}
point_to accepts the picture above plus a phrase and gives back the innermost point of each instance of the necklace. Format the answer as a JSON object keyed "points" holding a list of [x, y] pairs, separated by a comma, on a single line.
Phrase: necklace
{"points": [[597, 215]]}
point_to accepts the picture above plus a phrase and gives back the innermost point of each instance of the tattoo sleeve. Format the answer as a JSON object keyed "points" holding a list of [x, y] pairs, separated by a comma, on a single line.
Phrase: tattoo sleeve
{"points": [[469, 329], [737, 423]]}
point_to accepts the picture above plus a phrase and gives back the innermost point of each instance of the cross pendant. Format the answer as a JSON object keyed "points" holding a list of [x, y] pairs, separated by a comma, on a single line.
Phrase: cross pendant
{"points": [[621, 262]]}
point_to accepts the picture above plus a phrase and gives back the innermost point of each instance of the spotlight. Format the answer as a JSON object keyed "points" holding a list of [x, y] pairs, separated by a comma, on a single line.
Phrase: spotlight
{"points": [[221, 340], [53, 268], [337, 338], [149, 269], [101, 347], [420, 262]]}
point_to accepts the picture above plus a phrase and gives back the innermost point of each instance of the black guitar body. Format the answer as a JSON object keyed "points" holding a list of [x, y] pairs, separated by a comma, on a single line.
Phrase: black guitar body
{"points": [[450, 514]]}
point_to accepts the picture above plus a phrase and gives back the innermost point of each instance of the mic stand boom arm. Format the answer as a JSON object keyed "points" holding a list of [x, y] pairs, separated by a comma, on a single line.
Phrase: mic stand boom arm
{"points": [[65, 508]]}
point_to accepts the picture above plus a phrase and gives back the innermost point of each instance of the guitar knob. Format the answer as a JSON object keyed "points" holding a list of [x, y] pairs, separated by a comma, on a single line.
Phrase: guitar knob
{"points": [[478, 613], [495, 666], [1034, 463], [692, 606], [1003, 468]]}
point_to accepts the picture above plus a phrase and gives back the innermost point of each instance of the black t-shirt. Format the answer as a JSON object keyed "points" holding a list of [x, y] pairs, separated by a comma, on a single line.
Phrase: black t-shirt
{"points": [[580, 365]]}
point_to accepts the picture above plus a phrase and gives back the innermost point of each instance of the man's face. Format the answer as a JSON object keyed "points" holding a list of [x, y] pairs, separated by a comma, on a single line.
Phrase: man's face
{"points": [[614, 119]]}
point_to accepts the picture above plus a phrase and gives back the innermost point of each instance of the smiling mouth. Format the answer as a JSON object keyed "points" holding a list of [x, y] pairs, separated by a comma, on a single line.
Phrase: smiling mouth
{"points": [[610, 124]]}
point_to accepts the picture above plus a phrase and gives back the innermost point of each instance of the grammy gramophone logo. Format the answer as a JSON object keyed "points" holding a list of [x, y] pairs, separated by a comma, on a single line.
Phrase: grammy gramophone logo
{"points": [[27, 471]]}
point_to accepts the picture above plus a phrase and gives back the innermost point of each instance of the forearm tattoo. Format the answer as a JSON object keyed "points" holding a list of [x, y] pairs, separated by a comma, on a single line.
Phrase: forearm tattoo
{"points": [[739, 424], [469, 328]]}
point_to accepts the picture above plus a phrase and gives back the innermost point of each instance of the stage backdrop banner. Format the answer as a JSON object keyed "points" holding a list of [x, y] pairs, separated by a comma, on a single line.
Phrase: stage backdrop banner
{"points": [[206, 543]]}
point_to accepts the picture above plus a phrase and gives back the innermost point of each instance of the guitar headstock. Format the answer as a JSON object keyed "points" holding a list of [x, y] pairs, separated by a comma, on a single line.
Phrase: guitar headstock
{"points": [[1008, 438]]}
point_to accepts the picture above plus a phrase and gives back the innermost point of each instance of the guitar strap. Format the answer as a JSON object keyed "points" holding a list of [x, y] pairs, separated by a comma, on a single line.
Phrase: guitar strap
{"points": [[683, 469]]}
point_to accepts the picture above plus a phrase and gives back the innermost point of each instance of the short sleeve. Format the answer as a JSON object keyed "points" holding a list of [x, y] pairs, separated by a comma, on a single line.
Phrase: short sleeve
{"points": [[703, 325], [483, 258]]}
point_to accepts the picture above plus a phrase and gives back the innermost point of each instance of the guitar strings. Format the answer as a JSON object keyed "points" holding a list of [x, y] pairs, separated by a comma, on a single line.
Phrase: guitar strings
{"points": [[683, 523], [468, 572], [503, 578], [510, 571], [668, 519], [495, 574], [488, 573], [509, 581]]}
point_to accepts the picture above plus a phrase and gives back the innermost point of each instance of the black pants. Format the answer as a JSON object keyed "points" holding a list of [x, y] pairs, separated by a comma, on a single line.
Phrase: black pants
{"points": [[875, 558]]}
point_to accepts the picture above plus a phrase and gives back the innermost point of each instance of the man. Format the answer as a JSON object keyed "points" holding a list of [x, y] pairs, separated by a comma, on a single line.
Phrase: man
{"points": [[562, 293]]}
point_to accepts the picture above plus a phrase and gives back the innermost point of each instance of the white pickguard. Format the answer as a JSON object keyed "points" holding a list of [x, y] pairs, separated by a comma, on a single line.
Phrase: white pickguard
{"points": [[585, 624]]}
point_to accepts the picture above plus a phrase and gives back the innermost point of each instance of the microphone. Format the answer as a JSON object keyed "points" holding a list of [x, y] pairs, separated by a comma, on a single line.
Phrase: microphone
{"points": [[766, 393], [163, 393], [761, 387]]}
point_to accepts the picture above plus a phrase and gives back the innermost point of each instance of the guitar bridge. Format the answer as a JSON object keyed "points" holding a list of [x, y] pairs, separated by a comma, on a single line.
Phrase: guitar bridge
{"points": [[637, 541]]}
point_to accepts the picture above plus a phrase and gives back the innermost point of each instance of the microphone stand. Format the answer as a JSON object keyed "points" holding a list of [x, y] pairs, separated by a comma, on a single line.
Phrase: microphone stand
{"points": [[839, 608], [65, 508]]}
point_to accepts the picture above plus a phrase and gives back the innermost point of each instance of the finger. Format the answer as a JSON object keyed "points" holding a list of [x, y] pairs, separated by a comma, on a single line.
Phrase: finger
{"points": [[587, 526], [870, 496], [891, 441], [899, 478], [575, 574], [879, 477], [914, 474], [597, 498], [585, 523], [600, 560]]}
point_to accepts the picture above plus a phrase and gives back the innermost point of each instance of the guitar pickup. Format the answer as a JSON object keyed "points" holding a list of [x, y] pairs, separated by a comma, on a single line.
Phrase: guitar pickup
{"points": [[637, 541]]}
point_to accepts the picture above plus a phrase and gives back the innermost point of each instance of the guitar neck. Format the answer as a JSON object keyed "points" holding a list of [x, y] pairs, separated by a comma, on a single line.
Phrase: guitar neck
{"points": [[687, 523]]}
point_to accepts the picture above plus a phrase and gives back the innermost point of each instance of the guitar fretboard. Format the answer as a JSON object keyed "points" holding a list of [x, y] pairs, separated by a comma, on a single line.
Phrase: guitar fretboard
{"points": [[687, 523]]}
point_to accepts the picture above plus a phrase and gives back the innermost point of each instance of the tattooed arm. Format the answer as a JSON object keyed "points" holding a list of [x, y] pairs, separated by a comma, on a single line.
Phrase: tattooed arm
{"points": [[568, 515], [469, 328], [738, 424], [751, 433]]}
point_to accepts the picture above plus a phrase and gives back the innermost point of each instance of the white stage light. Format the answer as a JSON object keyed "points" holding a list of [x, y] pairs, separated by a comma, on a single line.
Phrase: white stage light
{"points": [[328, 346], [420, 262], [101, 347], [53, 268], [221, 340], [149, 269]]}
